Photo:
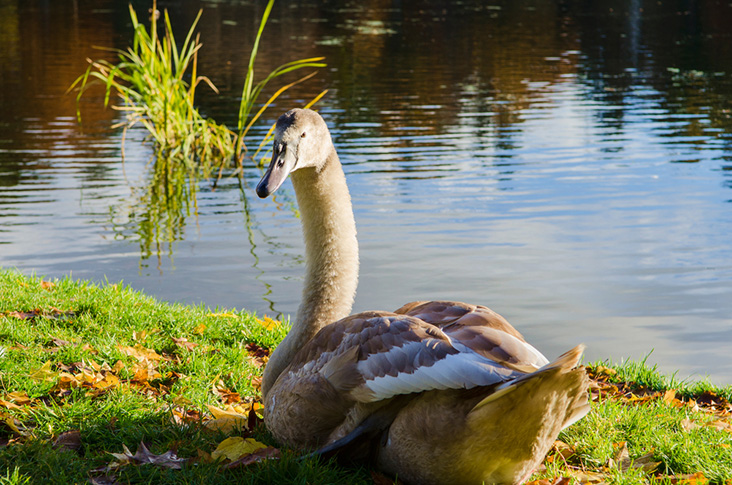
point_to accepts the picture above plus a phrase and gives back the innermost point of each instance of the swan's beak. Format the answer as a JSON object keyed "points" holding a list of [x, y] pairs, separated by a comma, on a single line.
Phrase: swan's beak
{"points": [[283, 161]]}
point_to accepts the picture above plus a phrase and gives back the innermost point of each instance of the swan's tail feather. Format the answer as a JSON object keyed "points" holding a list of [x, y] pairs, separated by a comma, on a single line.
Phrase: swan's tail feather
{"points": [[564, 363]]}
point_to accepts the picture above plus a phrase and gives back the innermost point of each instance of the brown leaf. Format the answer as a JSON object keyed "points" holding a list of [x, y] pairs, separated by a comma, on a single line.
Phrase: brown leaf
{"points": [[140, 353], [19, 397], [103, 480], [670, 396], [646, 463], [70, 440], [184, 343], [691, 479], [60, 342], [688, 425], [47, 285], [622, 457], [143, 456], [268, 453]]}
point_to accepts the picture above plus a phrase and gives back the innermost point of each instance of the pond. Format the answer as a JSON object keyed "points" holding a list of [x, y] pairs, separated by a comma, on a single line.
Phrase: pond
{"points": [[567, 163]]}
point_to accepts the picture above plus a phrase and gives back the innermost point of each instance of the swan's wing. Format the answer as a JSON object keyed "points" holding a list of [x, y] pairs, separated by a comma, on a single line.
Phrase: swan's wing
{"points": [[480, 329], [377, 355], [443, 313]]}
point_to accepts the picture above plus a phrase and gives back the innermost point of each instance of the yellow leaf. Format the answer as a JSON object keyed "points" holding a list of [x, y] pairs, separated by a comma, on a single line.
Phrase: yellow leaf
{"points": [[118, 366], [18, 397], [199, 329], [139, 352], [44, 373], [268, 323], [222, 315], [109, 380], [670, 396], [227, 420], [235, 447]]}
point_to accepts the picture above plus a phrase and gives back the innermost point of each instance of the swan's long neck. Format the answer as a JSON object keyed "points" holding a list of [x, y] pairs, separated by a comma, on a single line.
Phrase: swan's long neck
{"points": [[331, 254]]}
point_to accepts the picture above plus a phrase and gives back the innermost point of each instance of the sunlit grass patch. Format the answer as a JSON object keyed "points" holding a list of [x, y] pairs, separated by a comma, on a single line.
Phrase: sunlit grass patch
{"points": [[95, 379]]}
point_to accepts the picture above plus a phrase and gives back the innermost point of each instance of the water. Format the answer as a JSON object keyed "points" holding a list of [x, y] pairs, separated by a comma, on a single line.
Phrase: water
{"points": [[566, 164]]}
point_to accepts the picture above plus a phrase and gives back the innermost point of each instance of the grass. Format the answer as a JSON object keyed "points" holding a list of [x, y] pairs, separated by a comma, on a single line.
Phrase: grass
{"points": [[111, 367]]}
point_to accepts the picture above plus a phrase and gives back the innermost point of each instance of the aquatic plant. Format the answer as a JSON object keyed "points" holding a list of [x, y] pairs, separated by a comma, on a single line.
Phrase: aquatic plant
{"points": [[150, 78], [157, 80]]}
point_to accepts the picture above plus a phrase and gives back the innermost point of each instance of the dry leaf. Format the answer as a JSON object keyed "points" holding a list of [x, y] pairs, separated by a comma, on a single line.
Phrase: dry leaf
{"points": [[70, 440], [268, 453], [691, 479], [222, 315], [235, 447], [646, 463], [226, 421], [184, 343], [268, 323], [688, 425], [18, 397], [47, 285], [140, 353], [44, 373], [143, 456], [622, 457]]}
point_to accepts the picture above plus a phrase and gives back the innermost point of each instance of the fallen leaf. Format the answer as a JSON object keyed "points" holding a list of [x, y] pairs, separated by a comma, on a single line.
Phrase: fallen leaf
{"points": [[670, 396], [18, 397], [691, 479], [555, 481], [47, 285], [720, 425], [199, 329], [14, 425], [103, 480], [184, 343], [646, 463], [258, 355], [622, 457], [140, 353], [60, 342], [226, 421], [268, 323], [44, 373], [587, 476], [143, 456], [688, 425], [268, 453], [70, 440], [235, 447]]}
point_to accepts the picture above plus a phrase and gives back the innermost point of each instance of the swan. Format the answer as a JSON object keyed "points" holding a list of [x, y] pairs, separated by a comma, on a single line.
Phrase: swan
{"points": [[435, 392]]}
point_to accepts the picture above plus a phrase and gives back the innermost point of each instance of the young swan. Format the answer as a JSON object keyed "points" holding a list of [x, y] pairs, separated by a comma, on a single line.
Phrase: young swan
{"points": [[435, 392]]}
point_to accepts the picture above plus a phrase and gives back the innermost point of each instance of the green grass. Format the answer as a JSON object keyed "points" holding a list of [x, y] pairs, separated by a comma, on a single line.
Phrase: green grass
{"points": [[66, 324]]}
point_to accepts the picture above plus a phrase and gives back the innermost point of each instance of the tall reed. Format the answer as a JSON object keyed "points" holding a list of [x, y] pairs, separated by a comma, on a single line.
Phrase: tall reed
{"points": [[150, 80]]}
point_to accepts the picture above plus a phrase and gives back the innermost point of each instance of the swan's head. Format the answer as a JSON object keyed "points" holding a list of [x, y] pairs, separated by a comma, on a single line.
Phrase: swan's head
{"points": [[301, 140]]}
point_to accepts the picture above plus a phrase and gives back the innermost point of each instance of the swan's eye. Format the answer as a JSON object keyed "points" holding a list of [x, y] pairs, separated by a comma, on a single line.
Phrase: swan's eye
{"points": [[303, 134]]}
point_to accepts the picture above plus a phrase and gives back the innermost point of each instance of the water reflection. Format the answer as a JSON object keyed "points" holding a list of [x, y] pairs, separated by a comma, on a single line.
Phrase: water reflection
{"points": [[565, 162]]}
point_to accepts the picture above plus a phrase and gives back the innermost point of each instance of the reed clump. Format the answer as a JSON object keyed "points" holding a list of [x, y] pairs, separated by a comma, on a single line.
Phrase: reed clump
{"points": [[157, 80], [151, 80]]}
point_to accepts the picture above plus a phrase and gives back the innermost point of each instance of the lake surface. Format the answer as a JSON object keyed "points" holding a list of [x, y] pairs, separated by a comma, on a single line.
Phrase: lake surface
{"points": [[567, 163]]}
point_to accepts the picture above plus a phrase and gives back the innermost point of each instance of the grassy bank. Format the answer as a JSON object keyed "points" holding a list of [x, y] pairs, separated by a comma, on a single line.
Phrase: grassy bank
{"points": [[88, 372]]}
